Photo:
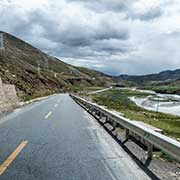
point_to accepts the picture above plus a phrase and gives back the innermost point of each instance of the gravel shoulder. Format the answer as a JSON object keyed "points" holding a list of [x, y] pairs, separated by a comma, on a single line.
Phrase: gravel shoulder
{"points": [[157, 167]]}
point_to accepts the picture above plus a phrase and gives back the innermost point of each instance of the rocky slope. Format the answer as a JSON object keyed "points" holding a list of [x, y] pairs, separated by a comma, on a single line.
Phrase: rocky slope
{"points": [[34, 73]]}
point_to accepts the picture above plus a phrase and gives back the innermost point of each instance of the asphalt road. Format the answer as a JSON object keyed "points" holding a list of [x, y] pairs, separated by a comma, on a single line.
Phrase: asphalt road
{"points": [[63, 142]]}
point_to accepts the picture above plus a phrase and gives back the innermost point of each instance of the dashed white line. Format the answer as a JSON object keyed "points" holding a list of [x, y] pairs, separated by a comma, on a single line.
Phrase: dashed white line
{"points": [[48, 115]]}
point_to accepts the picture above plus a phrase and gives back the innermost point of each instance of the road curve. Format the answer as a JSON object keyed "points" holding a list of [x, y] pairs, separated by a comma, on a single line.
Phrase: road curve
{"points": [[55, 139]]}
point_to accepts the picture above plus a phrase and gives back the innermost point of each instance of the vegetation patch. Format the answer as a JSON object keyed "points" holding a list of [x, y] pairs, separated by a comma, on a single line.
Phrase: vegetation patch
{"points": [[119, 100], [168, 89]]}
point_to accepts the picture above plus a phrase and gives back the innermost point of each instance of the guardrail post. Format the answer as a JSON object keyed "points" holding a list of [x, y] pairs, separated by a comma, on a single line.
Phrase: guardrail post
{"points": [[96, 112], [115, 128], [101, 115], [110, 120], [150, 150], [90, 109], [114, 124], [107, 118], [126, 134]]}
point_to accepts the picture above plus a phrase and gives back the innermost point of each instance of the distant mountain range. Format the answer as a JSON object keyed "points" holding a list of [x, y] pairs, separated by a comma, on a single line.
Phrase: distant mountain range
{"points": [[162, 78], [34, 73], [163, 82]]}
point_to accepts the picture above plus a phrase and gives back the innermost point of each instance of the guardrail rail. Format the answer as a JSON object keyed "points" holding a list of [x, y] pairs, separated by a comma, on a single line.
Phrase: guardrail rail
{"points": [[154, 139]]}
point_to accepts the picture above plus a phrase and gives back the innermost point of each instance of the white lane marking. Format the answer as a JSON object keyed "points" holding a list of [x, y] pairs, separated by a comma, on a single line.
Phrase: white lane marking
{"points": [[48, 115]]}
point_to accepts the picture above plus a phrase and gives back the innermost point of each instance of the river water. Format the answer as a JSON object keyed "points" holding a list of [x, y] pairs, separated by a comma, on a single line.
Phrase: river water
{"points": [[166, 103]]}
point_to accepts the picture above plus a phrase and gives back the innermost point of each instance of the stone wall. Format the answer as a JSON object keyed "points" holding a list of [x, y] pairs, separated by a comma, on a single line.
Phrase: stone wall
{"points": [[8, 96], [10, 93], [2, 94]]}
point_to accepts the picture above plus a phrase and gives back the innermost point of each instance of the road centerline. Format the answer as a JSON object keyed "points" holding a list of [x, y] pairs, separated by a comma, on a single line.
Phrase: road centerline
{"points": [[12, 157], [48, 115]]}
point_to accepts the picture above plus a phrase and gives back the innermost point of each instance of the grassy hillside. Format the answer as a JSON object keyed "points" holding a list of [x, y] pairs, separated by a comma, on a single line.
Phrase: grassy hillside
{"points": [[35, 73]]}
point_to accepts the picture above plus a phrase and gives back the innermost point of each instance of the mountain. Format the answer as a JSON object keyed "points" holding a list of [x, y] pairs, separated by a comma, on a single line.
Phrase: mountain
{"points": [[163, 82], [162, 78], [34, 73]]}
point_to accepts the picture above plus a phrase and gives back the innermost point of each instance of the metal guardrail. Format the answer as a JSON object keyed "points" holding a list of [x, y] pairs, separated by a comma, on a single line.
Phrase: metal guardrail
{"points": [[154, 139]]}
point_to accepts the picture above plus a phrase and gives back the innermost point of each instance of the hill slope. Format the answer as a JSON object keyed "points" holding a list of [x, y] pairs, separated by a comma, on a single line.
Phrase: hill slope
{"points": [[35, 73], [159, 78], [163, 82], [165, 76]]}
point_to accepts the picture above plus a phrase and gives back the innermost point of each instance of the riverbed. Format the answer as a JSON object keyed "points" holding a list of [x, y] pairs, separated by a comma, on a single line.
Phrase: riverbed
{"points": [[166, 103]]}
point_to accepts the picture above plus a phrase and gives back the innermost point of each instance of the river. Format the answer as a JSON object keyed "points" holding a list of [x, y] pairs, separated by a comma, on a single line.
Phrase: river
{"points": [[166, 103]]}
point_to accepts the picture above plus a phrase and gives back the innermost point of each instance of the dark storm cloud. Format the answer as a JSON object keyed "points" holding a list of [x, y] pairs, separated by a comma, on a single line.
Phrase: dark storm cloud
{"points": [[75, 35]]}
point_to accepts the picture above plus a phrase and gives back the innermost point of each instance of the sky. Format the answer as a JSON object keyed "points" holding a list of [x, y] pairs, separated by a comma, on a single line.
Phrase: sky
{"points": [[112, 36]]}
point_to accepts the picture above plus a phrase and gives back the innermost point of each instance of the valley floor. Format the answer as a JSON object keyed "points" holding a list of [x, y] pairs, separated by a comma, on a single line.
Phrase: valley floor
{"points": [[119, 99]]}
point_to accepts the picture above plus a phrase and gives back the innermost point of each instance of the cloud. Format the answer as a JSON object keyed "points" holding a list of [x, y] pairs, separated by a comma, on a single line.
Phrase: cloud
{"points": [[104, 5], [133, 36], [148, 15], [129, 7]]}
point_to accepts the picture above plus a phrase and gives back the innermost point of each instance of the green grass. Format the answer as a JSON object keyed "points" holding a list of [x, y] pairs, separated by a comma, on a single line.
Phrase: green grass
{"points": [[169, 89], [118, 100]]}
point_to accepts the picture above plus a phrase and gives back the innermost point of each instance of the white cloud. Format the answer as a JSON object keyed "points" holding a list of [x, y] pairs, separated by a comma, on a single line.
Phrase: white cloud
{"points": [[133, 36]]}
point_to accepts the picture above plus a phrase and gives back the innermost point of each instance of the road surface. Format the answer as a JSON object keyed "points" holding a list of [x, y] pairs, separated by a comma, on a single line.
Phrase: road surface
{"points": [[99, 91], [55, 139]]}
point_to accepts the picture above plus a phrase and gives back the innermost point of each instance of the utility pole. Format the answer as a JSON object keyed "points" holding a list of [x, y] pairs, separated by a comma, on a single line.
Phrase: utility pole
{"points": [[38, 68], [1, 41], [46, 64]]}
